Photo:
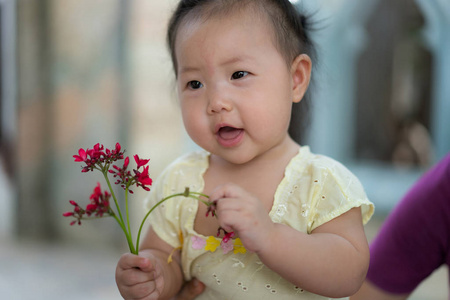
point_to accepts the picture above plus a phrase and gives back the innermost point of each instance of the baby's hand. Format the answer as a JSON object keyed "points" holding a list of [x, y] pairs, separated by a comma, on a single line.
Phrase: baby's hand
{"points": [[139, 277], [239, 211]]}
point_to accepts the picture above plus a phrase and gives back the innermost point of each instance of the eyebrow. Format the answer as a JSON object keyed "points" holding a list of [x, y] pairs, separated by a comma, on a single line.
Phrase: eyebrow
{"points": [[237, 59], [230, 61], [188, 69]]}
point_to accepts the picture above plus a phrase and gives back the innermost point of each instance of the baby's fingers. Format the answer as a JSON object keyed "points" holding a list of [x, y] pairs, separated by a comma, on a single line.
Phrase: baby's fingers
{"points": [[130, 277], [228, 190], [132, 269], [129, 261], [145, 262], [144, 291]]}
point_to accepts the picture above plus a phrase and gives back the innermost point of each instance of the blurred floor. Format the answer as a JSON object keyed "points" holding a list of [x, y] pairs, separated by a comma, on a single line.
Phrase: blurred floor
{"points": [[33, 270]]}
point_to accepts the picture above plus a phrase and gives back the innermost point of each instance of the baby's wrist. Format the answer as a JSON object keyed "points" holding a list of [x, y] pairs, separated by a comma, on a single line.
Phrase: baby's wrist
{"points": [[268, 240]]}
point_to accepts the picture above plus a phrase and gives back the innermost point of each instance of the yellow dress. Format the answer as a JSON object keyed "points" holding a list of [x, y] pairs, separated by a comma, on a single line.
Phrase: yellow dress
{"points": [[314, 190]]}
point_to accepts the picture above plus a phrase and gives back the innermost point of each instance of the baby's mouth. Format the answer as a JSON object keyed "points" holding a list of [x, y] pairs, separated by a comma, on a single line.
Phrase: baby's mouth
{"points": [[229, 133]]}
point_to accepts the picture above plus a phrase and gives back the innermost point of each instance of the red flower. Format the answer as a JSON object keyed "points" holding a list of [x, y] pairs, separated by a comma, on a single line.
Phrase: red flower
{"points": [[143, 179], [228, 235], [91, 208], [96, 157], [140, 162], [97, 152], [98, 206], [114, 153], [123, 175], [126, 162], [212, 208], [78, 213], [102, 159], [125, 179], [82, 156], [99, 202]]}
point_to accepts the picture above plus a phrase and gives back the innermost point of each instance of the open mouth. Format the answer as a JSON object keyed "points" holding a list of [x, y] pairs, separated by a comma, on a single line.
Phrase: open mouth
{"points": [[229, 136], [229, 133]]}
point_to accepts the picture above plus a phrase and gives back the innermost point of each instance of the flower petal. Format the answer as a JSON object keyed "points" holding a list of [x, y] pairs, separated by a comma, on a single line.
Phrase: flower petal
{"points": [[140, 162], [82, 156]]}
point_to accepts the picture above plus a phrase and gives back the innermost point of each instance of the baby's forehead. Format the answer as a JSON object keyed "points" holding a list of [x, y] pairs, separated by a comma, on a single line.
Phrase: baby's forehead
{"points": [[230, 7], [207, 12], [202, 16], [264, 14]]}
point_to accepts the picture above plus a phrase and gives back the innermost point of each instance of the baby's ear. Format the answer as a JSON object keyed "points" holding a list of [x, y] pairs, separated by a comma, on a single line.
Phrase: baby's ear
{"points": [[301, 75]]}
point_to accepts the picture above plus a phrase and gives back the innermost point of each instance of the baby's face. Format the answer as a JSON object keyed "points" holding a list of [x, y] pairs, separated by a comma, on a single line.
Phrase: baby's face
{"points": [[234, 86]]}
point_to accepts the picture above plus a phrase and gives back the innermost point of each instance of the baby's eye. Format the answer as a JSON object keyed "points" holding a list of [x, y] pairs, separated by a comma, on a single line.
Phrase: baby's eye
{"points": [[239, 74], [194, 84]]}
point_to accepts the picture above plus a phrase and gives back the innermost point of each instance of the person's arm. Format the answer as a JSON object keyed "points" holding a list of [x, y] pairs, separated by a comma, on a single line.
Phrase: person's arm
{"points": [[370, 291], [410, 244], [331, 261], [149, 275]]}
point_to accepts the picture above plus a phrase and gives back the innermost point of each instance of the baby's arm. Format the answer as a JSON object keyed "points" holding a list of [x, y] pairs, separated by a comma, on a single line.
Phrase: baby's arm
{"points": [[331, 261], [149, 276]]}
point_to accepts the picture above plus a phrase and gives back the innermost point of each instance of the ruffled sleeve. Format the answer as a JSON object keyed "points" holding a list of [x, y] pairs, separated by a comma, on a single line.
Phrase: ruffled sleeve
{"points": [[335, 191], [174, 217]]}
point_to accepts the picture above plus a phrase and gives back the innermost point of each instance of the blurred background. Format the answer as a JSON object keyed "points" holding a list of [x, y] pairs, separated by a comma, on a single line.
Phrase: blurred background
{"points": [[79, 72]]}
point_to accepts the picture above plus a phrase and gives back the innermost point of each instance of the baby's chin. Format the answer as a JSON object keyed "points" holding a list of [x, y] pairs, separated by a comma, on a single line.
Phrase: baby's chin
{"points": [[231, 157]]}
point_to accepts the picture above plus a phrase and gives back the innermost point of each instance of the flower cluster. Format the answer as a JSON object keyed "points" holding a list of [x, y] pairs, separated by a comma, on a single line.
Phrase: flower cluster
{"points": [[78, 213], [126, 179], [101, 159], [96, 157], [98, 206], [99, 202]]}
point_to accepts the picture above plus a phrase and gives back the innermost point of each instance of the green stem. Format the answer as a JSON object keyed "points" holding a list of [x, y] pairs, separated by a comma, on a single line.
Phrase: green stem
{"points": [[127, 213], [105, 174], [200, 194], [120, 219], [129, 240], [186, 194]]}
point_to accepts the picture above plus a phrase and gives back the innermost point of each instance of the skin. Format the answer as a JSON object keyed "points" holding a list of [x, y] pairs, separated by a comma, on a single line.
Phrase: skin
{"points": [[231, 74], [190, 290]]}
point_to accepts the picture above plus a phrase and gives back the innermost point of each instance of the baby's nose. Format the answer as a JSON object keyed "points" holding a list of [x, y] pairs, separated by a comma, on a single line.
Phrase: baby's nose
{"points": [[218, 102]]}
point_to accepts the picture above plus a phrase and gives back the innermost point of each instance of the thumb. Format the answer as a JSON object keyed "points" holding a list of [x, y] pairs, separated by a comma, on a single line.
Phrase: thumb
{"points": [[191, 290], [147, 261]]}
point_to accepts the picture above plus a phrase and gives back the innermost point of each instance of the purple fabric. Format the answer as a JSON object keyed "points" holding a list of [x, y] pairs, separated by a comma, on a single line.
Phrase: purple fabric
{"points": [[415, 239]]}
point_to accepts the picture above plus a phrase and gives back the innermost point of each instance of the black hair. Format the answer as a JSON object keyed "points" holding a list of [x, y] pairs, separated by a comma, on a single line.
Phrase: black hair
{"points": [[291, 33]]}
